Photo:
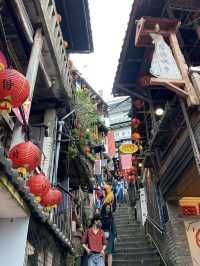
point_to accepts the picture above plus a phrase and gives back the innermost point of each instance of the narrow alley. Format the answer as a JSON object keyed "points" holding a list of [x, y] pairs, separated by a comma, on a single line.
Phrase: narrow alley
{"points": [[99, 133]]}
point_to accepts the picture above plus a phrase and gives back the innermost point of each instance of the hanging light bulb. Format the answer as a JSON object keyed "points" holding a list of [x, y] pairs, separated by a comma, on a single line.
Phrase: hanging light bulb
{"points": [[159, 111], [140, 165]]}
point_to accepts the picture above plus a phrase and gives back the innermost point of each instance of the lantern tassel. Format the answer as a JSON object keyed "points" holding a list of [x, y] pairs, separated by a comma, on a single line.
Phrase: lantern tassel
{"points": [[22, 171]]}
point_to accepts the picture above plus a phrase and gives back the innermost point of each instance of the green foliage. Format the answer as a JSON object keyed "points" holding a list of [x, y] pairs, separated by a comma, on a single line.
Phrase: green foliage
{"points": [[86, 110], [72, 152]]}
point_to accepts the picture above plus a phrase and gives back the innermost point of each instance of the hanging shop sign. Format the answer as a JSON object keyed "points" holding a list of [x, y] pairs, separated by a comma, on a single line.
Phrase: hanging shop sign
{"points": [[128, 148], [190, 206]]}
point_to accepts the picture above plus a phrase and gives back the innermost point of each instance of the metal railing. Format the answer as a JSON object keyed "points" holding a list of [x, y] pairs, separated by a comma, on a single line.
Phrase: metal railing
{"points": [[155, 232]]}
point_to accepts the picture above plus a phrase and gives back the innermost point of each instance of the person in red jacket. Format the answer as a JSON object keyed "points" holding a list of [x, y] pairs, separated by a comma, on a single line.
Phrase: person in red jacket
{"points": [[94, 242]]}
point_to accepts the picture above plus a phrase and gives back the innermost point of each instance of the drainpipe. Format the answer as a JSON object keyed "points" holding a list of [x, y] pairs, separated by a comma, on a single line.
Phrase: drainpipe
{"points": [[59, 137]]}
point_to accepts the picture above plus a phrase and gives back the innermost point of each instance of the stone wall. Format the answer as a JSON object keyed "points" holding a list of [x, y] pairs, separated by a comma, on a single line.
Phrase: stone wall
{"points": [[176, 239], [173, 244]]}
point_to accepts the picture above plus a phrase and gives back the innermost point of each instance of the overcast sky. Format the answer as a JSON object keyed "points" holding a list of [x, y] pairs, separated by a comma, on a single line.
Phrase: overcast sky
{"points": [[109, 19]]}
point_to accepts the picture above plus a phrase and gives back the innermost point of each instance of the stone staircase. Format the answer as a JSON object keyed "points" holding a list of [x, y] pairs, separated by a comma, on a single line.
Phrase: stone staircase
{"points": [[132, 248]]}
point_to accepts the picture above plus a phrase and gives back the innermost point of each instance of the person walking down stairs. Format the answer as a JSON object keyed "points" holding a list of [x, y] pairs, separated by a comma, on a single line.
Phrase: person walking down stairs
{"points": [[132, 248]]}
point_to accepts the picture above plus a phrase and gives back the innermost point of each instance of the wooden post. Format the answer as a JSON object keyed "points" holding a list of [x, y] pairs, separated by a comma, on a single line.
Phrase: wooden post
{"points": [[192, 98], [195, 147], [31, 74], [195, 77]]}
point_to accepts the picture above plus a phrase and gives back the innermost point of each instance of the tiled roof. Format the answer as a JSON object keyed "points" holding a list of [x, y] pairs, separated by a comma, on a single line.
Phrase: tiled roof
{"points": [[36, 210]]}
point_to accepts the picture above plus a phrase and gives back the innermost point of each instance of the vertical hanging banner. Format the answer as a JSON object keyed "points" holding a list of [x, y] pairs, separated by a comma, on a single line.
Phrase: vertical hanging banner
{"points": [[111, 143], [126, 161]]}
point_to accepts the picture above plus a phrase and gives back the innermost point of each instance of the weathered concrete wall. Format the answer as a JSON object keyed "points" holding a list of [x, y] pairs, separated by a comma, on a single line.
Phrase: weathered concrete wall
{"points": [[13, 235]]}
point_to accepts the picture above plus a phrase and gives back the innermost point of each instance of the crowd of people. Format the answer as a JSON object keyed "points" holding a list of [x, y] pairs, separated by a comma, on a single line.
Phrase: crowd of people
{"points": [[100, 238]]}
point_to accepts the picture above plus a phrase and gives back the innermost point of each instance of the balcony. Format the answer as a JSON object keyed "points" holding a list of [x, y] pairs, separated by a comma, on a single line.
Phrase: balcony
{"points": [[54, 56]]}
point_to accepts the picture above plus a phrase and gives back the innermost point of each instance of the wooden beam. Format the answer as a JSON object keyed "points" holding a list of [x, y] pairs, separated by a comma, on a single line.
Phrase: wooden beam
{"points": [[31, 75], [25, 23], [135, 94], [125, 85], [192, 98], [176, 89]]}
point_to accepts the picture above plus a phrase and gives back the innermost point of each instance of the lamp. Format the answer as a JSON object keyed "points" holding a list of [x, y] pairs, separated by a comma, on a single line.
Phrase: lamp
{"points": [[159, 111]]}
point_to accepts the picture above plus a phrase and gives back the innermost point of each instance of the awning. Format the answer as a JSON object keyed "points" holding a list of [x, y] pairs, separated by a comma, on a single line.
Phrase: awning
{"points": [[75, 24]]}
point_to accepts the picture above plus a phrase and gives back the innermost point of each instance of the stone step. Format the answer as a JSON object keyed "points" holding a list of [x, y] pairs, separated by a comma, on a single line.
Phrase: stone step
{"points": [[136, 262], [139, 255], [128, 235], [128, 230], [130, 250], [132, 244], [122, 215], [130, 225], [131, 240], [126, 222]]}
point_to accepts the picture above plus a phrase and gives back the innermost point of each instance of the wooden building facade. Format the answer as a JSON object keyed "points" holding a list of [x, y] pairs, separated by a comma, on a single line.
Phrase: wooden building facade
{"points": [[170, 139]]}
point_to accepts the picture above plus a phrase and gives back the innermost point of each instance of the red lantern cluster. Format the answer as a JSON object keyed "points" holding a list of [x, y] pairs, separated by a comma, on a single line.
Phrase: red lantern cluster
{"points": [[136, 136], [39, 185], [52, 198], [14, 87], [25, 155], [138, 104], [136, 122], [131, 178]]}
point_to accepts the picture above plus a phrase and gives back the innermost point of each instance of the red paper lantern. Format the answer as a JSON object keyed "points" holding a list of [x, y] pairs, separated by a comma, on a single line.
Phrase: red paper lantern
{"points": [[133, 170], [139, 104], [52, 198], [136, 122], [14, 87], [25, 155], [136, 136], [39, 185], [3, 62], [134, 160], [131, 178]]}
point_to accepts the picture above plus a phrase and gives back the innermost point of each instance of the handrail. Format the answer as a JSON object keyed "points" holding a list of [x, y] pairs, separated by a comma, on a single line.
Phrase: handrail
{"points": [[155, 225], [156, 246]]}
